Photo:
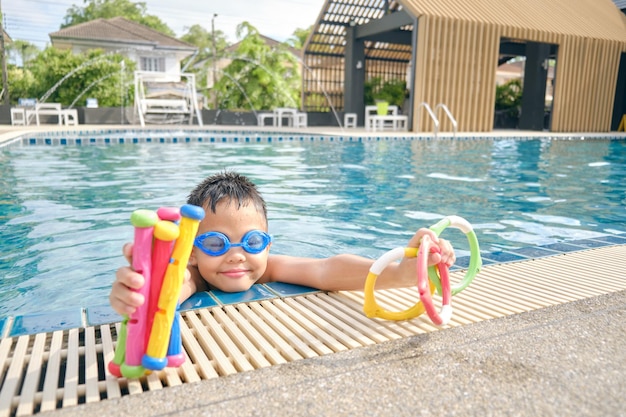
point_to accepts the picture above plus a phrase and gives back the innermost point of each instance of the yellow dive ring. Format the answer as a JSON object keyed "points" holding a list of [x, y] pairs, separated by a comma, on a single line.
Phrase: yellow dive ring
{"points": [[370, 306]]}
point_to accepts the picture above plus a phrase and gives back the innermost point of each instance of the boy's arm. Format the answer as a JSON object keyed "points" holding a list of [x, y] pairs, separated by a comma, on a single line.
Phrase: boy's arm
{"points": [[341, 272], [349, 272]]}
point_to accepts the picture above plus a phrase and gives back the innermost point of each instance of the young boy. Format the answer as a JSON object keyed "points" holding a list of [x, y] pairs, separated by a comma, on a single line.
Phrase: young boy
{"points": [[231, 251]]}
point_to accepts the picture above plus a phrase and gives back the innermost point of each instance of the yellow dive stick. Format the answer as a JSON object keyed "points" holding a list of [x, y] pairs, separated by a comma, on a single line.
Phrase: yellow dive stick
{"points": [[156, 351]]}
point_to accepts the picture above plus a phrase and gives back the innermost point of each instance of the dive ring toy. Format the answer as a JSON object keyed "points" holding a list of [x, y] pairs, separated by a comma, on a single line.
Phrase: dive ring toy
{"points": [[370, 306], [373, 309]]}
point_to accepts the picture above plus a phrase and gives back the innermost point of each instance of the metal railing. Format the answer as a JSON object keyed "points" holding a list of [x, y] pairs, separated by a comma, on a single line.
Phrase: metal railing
{"points": [[431, 114], [449, 114]]}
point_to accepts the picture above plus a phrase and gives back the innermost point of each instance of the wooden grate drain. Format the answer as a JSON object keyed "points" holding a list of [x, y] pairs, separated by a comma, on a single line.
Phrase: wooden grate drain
{"points": [[55, 370]]}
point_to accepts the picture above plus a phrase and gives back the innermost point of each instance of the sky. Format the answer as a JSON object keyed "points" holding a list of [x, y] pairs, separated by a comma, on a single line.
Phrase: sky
{"points": [[33, 20]]}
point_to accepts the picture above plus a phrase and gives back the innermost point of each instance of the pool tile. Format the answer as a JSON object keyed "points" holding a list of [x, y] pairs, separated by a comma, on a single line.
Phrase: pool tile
{"points": [[199, 300], [617, 239], [256, 293], [589, 243], [102, 315], [535, 252], [46, 322], [502, 256], [562, 247], [289, 290], [3, 324], [462, 262]]}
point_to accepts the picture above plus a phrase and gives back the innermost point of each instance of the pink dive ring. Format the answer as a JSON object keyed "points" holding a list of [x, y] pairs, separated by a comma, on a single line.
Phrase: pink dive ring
{"points": [[443, 317]]}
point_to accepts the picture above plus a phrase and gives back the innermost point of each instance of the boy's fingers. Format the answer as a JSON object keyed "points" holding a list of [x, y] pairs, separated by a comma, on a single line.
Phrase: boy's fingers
{"points": [[129, 278], [417, 237], [123, 299], [434, 258], [127, 250]]}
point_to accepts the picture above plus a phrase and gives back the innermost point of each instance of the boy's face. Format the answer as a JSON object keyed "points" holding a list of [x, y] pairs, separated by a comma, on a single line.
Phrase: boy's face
{"points": [[236, 270]]}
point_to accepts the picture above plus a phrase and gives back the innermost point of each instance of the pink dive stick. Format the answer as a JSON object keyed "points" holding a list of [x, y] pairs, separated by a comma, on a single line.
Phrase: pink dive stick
{"points": [[165, 233], [143, 221]]}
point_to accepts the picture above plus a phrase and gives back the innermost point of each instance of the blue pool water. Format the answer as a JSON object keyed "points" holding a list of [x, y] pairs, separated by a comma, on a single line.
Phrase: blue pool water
{"points": [[64, 210]]}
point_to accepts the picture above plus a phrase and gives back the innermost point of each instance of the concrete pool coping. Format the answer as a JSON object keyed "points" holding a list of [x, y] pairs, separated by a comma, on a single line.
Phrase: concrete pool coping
{"points": [[10, 133]]}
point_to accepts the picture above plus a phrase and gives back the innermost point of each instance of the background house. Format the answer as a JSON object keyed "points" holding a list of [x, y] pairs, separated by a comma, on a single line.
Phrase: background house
{"points": [[150, 49]]}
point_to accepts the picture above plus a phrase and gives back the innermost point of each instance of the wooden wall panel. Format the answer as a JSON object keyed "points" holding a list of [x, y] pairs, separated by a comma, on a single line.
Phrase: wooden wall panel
{"points": [[590, 36], [586, 76], [456, 66]]}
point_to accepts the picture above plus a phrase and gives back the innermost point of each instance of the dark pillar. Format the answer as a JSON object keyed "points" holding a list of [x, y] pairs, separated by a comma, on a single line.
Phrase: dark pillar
{"points": [[619, 102], [534, 94], [354, 76]]}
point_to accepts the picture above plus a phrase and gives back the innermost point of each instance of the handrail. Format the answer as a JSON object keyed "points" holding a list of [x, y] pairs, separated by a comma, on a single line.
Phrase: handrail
{"points": [[447, 111], [432, 116]]}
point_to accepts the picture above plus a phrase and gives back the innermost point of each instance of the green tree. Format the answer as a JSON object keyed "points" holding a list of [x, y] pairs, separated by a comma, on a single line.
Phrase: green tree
{"points": [[21, 51], [259, 76], [202, 62], [106, 9], [299, 37], [64, 77]]}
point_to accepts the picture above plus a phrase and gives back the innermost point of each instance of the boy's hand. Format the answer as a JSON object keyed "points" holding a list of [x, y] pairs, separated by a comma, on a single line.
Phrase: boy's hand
{"points": [[123, 298], [405, 274], [447, 254]]}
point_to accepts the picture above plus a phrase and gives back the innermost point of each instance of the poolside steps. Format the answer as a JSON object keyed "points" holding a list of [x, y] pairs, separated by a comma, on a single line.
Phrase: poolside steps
{"points": [[54, 370]]}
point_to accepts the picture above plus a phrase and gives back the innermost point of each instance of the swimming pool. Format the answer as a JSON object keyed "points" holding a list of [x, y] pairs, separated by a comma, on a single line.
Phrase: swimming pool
{"points": [[64, 209]]}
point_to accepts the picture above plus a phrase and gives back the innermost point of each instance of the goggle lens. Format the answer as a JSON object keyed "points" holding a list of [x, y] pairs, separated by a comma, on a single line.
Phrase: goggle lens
{"points": [[216, 243]]}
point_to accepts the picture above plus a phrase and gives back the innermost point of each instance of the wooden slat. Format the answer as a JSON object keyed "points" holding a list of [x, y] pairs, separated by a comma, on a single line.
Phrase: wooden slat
{"points": [[51, 381], [31, 380], [108, 350], [92, 390], [70, 386], [13, 378], [298, 340]]}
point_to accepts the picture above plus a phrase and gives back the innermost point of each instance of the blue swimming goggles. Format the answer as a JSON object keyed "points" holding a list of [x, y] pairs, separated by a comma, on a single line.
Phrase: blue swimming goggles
{"points": [[216, 243]]}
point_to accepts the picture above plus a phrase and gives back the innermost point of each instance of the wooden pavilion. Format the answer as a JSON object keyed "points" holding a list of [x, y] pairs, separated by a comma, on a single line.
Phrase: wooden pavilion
{"points": [[448, 52]]}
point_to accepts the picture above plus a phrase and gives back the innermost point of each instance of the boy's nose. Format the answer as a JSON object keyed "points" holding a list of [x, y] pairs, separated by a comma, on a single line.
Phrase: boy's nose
{"points": [[236, 254]]}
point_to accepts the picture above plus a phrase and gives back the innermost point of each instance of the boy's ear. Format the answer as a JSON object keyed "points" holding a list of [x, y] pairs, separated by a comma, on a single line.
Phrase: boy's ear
{"points": [[193, 260]]}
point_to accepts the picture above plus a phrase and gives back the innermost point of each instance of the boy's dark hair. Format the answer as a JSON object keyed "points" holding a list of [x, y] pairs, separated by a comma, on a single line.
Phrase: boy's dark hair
{"points": [[230, 186]]}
